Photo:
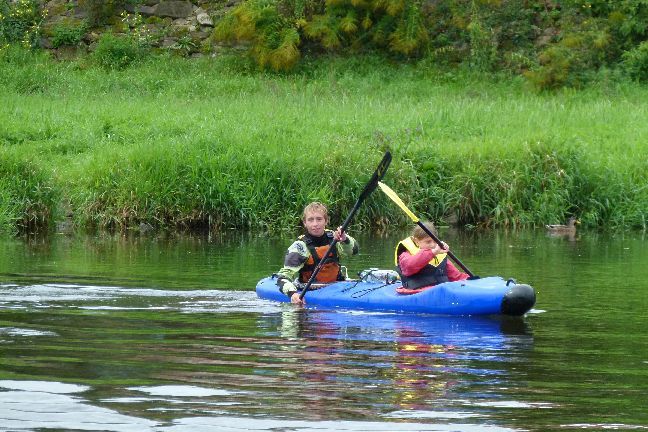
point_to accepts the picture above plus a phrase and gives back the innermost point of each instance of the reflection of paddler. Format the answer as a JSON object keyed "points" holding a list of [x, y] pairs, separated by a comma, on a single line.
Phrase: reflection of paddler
{"points": [[314, 344], [418, 370], [290, 323], [313, 361], [423, 348], [422, 263]]}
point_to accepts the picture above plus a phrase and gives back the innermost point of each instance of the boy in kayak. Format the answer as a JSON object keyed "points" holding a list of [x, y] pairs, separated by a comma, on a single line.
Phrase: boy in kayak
{"points": [[422, 263], [307, 251]]}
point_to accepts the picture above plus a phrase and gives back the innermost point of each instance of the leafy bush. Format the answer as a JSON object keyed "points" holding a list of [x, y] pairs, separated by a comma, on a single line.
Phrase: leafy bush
{"points": [[20, 21], [117, 52], [68, 33], [394, 26], [279, 30], [635, 62], [570, 61], [483, 45], [273, 37], [553, 43]]}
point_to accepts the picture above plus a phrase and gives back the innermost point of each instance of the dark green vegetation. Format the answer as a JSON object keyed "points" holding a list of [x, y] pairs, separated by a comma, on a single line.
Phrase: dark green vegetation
{"points": [[552, 43], [212, 143]]}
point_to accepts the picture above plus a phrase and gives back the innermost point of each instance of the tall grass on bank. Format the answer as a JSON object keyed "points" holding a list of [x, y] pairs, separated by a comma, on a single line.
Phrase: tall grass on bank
{"points": [[27, 198], [213, 143]]}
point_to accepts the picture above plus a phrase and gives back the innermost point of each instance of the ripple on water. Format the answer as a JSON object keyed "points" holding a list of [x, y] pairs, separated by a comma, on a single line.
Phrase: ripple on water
{"points": [[15, 331], [30, 405], [112, 298], [182, 391]]}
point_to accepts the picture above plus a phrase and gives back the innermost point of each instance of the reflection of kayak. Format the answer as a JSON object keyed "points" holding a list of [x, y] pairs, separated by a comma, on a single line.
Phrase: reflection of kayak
{"points": [[459, 331], [486, 296]]}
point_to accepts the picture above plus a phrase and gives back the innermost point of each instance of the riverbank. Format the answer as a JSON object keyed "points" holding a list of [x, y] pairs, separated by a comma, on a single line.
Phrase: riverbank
{"points": [[213, 144]]}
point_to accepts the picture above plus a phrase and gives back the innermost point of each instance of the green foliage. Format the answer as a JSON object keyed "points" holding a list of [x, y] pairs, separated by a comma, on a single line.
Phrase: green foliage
{"points": [[542, 184], [635, 62], [137, 28], [554, 44], [20, 22], [568, 62], [25, 71], [101, 11], [68, 33], [593, 35], [273, 37], [394, 25], [118, 51], [627, 19], [27, 199], [279, 30], [483, 46]]}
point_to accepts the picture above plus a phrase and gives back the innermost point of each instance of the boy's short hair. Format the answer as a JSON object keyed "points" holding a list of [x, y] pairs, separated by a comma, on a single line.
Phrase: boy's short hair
{"points": [[315, 206], [419, 233]]}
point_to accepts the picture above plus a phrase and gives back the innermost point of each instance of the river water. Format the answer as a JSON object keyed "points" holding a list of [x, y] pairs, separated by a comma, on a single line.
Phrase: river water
{"points": [[165, 333]]}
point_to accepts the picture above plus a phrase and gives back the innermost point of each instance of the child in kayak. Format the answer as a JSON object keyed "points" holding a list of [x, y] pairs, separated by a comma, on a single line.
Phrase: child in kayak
{"points": [[422, 263], [305, 253]]}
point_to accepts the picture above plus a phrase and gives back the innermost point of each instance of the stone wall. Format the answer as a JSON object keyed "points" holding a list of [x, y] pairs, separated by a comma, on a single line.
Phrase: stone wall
{"points": [[186, 26]]}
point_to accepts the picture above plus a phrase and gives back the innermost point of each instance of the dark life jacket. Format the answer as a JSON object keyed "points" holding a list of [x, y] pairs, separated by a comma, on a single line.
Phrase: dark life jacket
{"points": [[433, 273], [330, 271]]}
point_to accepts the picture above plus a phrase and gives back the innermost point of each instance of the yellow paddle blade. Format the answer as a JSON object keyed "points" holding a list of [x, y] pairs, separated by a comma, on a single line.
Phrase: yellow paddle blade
{"points": [[392, 195]]}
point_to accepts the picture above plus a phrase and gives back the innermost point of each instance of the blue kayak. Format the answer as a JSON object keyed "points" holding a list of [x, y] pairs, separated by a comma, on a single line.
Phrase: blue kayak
{"points": [[485, 296]]}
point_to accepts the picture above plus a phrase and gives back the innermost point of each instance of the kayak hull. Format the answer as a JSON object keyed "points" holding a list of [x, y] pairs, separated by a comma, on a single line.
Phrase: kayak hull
{"points": [[485, 296]]}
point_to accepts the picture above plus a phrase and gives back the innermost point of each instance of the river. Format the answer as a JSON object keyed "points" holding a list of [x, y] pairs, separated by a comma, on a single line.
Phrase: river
{"points": [[165, 333]]}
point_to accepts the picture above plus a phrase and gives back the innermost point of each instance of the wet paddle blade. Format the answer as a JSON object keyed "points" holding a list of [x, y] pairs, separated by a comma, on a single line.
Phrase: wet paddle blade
{"points": [[376, 177], [392, 195]]}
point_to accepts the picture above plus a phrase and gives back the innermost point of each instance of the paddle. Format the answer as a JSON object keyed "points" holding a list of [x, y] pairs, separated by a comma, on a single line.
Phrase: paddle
{"points": [[370, 187], [392, 195]]}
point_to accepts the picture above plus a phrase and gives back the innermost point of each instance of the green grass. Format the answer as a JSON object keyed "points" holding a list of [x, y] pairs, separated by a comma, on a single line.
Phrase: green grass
{"points": [[212, 142], [27, 196]]}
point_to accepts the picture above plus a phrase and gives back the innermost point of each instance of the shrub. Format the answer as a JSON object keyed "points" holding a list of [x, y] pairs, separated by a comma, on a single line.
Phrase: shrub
{"points": [[554, 43], [635, 62], [68, 33], [20, 21], [571, 61], [117, 52], [279, 30], [273, 36], [483, 45]]}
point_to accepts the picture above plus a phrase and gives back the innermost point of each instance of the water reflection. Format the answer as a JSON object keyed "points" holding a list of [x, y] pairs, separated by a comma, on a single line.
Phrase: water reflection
{"points": [[162, 334], [333, 370], [250, 357], [31, 405], [392, 362], [28, 405]]}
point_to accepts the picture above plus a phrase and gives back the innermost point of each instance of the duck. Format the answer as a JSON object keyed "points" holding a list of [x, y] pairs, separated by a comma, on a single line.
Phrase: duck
{"points": [[564, 229]]}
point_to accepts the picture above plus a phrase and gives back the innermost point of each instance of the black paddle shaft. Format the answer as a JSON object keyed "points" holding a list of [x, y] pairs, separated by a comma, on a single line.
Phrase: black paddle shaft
{"points": [[370, 187], [450, 254]]}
